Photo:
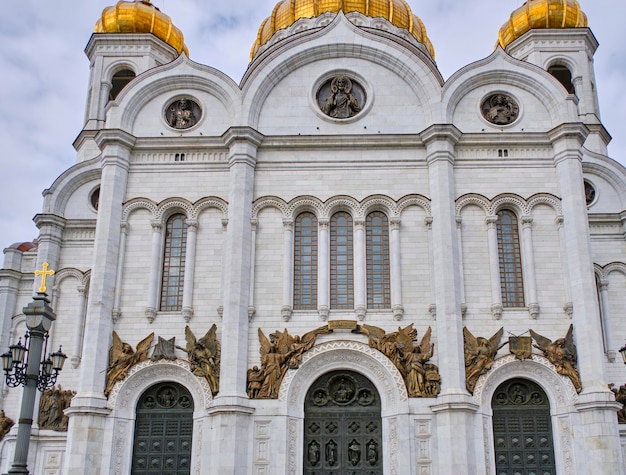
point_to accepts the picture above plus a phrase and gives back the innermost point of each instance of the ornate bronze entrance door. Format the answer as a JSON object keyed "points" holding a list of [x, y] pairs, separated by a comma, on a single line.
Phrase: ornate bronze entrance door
{"points": [[522, 430], [163, 431], [342, 426]]}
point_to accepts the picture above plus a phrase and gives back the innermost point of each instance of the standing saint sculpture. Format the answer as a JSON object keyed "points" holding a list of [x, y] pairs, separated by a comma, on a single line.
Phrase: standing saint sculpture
{"points": [[562, 354], [204, 356], [480, 354]]}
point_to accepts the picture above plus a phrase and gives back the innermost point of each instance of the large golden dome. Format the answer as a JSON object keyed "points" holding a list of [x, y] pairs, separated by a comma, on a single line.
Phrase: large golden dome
{"points": [[287, 12], [542, 14], [141, 16]]}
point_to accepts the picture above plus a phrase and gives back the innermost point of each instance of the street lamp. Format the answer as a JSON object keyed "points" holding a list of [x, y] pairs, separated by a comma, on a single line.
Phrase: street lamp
{"points": [[622, 350], [23, 366]]}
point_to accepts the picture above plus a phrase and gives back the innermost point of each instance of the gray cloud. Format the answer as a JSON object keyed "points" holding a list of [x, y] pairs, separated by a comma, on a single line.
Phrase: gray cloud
{"points": [[43, 84]]}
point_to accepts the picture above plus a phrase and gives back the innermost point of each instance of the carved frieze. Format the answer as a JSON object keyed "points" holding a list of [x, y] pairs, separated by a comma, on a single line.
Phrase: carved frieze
{"points": [[51, 406]]}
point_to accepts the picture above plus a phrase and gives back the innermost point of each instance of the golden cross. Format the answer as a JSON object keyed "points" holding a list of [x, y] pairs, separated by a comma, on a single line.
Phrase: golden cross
{"points": [[44, 273]]}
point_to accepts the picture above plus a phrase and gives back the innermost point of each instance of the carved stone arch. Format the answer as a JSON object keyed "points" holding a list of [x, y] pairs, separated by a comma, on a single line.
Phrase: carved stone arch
{"points": [[126, 393], [342, 203], [86, 280], [350, 355], [377, 203], [599, 271], [619, 267], [209, 202], [16, 321], [547, 199], [171, 206], [269, 202], [139, 203], [473, 199], [305, 203], [559, 389], [561, 60], [66, 273], [57, 196], [413, 200], [119, 65], [511, 201]]}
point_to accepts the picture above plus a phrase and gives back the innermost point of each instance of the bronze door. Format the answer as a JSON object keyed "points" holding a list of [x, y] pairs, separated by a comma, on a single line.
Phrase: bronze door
{"points": [[163, 431], [342, 426], [522, 430]]}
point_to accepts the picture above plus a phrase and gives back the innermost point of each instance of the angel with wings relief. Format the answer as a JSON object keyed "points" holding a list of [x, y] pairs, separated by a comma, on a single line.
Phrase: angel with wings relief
{"points": [[122, 358], [204, 356], [562, 354], [480, 354], [278, 354]]}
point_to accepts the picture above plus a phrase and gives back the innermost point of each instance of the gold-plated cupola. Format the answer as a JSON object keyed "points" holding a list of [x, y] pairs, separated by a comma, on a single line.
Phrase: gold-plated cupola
{"points": [[141, 16], [541, 14], [287, 12]]}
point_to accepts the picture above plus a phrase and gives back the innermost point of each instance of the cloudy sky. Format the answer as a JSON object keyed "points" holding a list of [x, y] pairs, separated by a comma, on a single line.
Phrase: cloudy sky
{"points": [[44, 73]]}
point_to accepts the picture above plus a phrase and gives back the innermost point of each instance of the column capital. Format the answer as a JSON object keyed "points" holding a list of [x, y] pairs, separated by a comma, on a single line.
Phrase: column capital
{"points": [[191, 223], [359, 222], [243, 143], [527, 221], [491, 220], [157, 225], [323, 223], [394, 222], [287, 224]]}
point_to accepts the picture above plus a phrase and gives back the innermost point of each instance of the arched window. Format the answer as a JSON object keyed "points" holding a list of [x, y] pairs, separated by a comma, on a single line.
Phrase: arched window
{"points": [[563, 75], [377, 232], [119, 81], [341, 262], [305, 262], [163, 431], [173, 275], [511, 277]]}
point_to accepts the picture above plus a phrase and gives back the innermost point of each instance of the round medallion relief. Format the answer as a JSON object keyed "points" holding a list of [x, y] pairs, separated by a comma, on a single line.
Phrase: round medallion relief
{"points": [[500, 109], [341, 97], [590, 193], [183, 113]]}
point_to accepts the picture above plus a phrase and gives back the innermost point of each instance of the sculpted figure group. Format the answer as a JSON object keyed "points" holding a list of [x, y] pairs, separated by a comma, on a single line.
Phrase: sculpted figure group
{"points": [[562, 354], [51, 406], [203, 354], [480, 354], [421, 378], [278, 354]]}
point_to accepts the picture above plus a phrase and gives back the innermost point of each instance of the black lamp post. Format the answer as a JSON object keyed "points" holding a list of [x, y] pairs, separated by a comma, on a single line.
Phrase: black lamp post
{"points": [[23, 366], [622, 351]]}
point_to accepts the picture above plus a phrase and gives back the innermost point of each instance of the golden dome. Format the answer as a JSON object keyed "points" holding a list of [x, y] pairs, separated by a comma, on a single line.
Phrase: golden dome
{"points": [[141, 16], [287, 12], [541, 14]]}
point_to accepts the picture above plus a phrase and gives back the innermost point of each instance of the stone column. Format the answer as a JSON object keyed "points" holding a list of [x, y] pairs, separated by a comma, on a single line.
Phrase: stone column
{"points": [[49, 250], [251, 309], [454, 409], [80, 327], [117, 311], [528, 265], [190, 268], [395, 269], [605, 310], [287, 307], [459, 230], [568, 307], [360, 272], [155, 270], [87, 414], [598, 434], [323, 271], [494, 266], [231, 410]]}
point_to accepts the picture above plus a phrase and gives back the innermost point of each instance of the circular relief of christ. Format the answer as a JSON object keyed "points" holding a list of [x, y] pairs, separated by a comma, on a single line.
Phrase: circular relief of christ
{"points": [[341, 97], [182, 113], [500, 109]]}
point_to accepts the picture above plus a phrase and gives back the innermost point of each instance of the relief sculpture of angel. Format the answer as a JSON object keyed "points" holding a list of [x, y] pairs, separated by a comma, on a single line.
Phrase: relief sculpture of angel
{"points": [[421, 378], [480, 354], [562, 354], [122, 358], [278, 354], [204, 356]]}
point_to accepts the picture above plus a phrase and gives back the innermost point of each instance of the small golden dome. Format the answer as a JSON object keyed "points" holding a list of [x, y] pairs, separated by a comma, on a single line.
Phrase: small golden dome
{"points": [[541, 14], [287, 12], [141, 16]]}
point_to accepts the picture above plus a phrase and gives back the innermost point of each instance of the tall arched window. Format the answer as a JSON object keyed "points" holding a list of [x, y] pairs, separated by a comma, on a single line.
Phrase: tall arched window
{"points": [[341, 262], [377, 232], [563, 75], [509, 253], [305, 262], [173, 275]]}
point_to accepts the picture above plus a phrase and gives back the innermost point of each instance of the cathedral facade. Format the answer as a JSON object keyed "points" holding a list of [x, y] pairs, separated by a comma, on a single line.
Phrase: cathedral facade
{"points": [[343, 265]]}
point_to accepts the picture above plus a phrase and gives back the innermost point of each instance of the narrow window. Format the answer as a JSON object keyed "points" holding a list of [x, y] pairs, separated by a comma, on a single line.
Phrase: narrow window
{"points": [[305, 262], [563, 75], [511, 278], [119, 81], [173, 264], [341, 262], [377, 231]]}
